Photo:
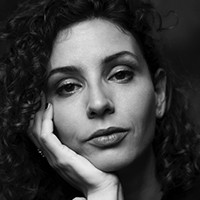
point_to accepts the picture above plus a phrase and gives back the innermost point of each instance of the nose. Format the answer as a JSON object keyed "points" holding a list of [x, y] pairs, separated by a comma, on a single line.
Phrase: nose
{"points": [[99, 103]]}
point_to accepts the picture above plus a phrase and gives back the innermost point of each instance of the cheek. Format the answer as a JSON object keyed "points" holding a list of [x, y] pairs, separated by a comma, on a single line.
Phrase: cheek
{"points": [[145, 124], [66, 121], [139, 110], [146, 105]]}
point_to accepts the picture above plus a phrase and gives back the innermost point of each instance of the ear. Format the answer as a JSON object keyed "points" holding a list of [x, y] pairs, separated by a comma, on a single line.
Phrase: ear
{"points": [[160, 82]]}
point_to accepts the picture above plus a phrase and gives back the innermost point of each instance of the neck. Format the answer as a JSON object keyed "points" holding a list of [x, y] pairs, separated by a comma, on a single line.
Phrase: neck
{"points": [[139, 179]]}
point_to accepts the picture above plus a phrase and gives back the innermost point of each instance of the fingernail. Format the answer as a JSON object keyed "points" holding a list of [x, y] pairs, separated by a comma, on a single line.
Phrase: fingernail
{"points": [[47, 106]]}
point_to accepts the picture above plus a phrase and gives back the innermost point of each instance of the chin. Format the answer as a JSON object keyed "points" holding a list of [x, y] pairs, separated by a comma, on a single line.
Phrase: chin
{"points": [[112, 165]]}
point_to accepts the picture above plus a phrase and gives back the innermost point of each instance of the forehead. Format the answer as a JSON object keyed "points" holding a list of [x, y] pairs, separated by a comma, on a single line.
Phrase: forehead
{"points": [[89, 40]]}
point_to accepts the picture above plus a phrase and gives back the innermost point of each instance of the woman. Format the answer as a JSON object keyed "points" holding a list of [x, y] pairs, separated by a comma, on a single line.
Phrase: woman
{"points": [[82, 82]]}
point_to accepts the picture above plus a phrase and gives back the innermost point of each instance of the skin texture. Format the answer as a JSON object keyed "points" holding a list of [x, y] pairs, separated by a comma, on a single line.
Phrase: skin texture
{"points": [[98, 96], [98, 78]]}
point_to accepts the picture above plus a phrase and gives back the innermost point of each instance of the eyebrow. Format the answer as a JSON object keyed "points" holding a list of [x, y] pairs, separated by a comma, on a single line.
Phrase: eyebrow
{"points": [[113, 57], [108, 59], [65, 69]]}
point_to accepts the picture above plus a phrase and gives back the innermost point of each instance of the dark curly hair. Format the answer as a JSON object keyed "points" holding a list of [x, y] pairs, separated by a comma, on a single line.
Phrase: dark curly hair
{"points": [[30, 34]]}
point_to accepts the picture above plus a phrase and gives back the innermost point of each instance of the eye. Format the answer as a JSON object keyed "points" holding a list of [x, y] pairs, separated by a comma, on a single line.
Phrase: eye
{"points": [[122, 75], [68, 87]]}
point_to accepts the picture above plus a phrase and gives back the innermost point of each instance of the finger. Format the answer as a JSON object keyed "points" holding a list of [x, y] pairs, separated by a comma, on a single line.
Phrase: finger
{"points": [[47, 121], [36, 123], [59, 155], [32, 118], [53, 146], [48, 138], [35, 129]]}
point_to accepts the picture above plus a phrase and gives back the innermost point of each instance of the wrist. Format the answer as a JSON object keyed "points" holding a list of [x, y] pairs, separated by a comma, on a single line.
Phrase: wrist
{"points": [[110, 191]]}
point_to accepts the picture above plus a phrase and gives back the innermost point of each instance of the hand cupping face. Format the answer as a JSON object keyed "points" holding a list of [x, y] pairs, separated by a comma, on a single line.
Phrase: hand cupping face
{"points": [[103, 97]]}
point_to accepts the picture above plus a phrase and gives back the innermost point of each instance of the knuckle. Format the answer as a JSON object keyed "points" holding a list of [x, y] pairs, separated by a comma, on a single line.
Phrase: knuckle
{"points": [[62, 165], [43, 139]]}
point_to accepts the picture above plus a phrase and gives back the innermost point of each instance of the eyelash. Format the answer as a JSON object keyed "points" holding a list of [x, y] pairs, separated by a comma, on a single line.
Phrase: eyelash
{"points": [[73, 86], [127, 75], [61, 90]]}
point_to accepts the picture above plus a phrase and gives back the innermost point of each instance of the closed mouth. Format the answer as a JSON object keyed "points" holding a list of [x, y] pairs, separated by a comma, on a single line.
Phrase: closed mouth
{"points": [[106, 132], [108, 137]]}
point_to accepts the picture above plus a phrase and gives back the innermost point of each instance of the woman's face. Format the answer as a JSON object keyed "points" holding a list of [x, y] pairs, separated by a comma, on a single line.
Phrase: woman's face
{"points": [[98, 79]]}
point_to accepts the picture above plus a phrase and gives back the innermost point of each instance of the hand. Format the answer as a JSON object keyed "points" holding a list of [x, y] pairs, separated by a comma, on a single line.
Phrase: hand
{"points": [[72, 167]]}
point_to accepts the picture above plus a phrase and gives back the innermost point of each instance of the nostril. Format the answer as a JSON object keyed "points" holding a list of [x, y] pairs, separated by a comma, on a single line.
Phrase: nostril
{"points": [[109, 110], [91, 114], [101, 112]]}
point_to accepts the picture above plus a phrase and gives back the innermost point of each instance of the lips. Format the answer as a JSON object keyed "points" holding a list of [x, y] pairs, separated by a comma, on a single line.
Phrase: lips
{"points": [[108, 137]]}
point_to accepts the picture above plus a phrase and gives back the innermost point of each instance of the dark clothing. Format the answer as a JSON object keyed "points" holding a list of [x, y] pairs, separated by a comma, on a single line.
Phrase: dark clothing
{"points": [[177, 194], [191, 194]]}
